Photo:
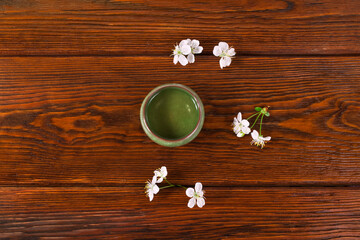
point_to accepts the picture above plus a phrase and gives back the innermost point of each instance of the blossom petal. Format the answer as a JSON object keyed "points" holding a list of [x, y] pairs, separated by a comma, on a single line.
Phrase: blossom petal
{"points": [[151, 196], [235, 122], [227, 61], [201, 193], [267, 139], [163, 171], [200, 202], [236, 126], [223, 46], [255, 134], [239, 117], [184, 42], [191, 202], [217, 51], [231, 52], [190, 192], [246, 130], [185, 49], [198, 187], [222, 63], [160, 179], [191, 58], [245, 123], [176, 59], [183, 60], [194, 43], [198, 49], [153, 181], [237, 129], [156, 189]]}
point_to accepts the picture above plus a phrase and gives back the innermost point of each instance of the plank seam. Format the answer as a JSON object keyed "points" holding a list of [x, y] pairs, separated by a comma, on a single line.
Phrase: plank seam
{"points": [[160, 55]]}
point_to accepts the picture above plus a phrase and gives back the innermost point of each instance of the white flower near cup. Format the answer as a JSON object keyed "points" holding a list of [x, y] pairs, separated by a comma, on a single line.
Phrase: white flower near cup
{"points": [[195, 49], [151, 188], [196, 196], [179, 53], [187, 48], [160, 174], [225, 53], [241, 126], [259, 140]]}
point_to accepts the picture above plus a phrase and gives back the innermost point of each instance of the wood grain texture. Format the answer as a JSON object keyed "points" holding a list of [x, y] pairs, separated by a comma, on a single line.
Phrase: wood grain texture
{"points": [[74, 159], [229, 213], [139, 27], [75, 121]]}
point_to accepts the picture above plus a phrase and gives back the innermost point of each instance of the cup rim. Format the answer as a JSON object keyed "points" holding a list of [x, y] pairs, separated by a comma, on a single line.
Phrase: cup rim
{"points": [[172, 142]]}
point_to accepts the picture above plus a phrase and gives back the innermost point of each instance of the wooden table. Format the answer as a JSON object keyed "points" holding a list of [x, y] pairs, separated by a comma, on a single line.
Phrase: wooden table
{"points": [[74, 157]]}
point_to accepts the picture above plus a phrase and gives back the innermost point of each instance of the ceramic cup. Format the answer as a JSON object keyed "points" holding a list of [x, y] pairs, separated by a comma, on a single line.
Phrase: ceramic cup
{"points": [[172, 115]]}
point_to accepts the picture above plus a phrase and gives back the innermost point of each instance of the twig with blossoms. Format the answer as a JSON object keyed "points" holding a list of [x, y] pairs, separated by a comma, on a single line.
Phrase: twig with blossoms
{"points": [[151, 188], [241, 126]]}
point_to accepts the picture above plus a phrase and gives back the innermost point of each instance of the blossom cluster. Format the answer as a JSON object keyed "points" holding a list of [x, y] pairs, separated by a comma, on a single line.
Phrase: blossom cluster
{"points": [[184, 52], [241, 127], [196, 195]]}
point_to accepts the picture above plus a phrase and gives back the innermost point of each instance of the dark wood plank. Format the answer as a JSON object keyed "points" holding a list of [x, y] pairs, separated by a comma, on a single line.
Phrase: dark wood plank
{"points": [[138, 27], [229, 213], [75, 121]]}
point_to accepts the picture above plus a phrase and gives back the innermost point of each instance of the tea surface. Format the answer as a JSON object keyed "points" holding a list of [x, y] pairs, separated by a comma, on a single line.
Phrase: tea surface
{"points": [[172, 113]]}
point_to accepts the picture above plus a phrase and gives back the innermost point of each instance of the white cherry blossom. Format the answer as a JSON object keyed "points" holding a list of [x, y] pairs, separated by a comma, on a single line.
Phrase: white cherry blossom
{"points": [[180, 52], [241, 126], [225, 53], [259, 140], [195, 49], [151, 188], [196, 196], [160, 174], [187, 47]]}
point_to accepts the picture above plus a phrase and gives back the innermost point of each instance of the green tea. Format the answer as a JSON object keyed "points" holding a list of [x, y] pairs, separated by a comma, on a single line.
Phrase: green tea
{"points": [[172, 113]]}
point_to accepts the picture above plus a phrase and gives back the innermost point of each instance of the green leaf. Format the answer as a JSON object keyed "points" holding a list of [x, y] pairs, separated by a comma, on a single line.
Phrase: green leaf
{"points": [[258, 109], [267, 114]]}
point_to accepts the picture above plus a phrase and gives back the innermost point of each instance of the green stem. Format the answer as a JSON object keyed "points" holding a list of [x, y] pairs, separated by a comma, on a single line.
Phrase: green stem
{"points": [[252, 116], [173, 185], [261, 124], [255, 120], [167, 186], [169, 182]]}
